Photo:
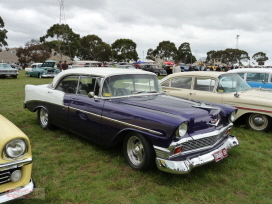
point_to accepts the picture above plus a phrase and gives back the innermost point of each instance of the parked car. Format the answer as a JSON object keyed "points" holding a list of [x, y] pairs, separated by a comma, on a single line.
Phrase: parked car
{"points": [[168, 68], [111, 106], [7, 71], [126, 66], [34, 65], [47, 69], [256, 77], [15, 162], [16, 66], [254, 105], [154, 68]]}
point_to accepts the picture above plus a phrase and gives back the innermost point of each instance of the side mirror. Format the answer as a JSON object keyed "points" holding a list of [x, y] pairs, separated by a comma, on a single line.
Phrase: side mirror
{"points": [[91, 94]]}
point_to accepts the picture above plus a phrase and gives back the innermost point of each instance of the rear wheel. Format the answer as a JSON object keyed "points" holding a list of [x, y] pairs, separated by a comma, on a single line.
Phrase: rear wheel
{"points": [[39, 76], [138, 152], [44, 119], [259, 122]]}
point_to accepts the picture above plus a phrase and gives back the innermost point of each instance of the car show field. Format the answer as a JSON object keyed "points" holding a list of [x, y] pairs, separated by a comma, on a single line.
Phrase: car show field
{"points": [[72, 169]]}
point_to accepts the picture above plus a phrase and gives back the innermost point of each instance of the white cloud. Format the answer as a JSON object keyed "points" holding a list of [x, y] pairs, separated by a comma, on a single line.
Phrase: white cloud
{"points": [[206, 25]]}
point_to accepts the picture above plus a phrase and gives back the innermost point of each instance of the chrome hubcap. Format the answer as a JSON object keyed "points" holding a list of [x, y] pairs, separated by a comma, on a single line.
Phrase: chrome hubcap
{"points": [[258, 121], [135, 150], [43, 117]]}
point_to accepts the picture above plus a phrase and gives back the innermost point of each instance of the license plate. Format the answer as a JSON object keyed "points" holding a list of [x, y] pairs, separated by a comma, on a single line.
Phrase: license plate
{"points": [[8, 75], [221, 154]]}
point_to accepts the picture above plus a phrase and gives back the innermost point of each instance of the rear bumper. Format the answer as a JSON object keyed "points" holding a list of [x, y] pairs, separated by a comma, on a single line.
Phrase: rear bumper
{"points": [[186, 165]]}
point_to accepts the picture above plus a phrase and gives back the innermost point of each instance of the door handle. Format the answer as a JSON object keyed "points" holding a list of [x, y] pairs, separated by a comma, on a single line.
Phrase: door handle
{"points": [[192, 93]]}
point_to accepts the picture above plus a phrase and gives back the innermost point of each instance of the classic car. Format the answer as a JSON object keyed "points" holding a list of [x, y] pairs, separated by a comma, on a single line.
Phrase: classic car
{"points": [[111, 106], [34, 65], [7, 71], [47, 69], [254, 105], [154, 68], [15, 162], [256, 77]]}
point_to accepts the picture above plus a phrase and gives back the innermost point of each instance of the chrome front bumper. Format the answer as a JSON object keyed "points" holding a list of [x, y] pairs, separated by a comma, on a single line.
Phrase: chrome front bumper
{"points": [[17, 192], [186, 165]]}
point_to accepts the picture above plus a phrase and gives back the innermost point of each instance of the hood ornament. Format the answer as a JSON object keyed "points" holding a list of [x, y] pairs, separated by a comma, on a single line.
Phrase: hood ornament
{"points": [[204, 106]]}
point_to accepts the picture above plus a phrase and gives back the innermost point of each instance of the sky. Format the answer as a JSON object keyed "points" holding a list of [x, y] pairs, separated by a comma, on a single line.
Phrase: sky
{"points": [[205, 24]]}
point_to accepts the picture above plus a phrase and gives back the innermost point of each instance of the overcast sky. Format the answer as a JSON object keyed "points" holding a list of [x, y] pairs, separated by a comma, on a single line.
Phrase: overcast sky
{"points": [[205, 24]]}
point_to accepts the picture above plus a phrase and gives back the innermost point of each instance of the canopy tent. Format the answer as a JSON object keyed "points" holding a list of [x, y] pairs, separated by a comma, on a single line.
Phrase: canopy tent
{"points": [[168, 63]]}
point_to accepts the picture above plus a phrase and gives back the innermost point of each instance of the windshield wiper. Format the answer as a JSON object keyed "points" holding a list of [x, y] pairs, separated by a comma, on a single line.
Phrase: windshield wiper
{"points": [[138, 92]]}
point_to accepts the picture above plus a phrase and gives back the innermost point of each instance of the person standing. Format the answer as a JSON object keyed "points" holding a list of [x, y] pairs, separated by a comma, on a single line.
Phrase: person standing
{"points": [[176, 68], [59, 66], [64, 66]]}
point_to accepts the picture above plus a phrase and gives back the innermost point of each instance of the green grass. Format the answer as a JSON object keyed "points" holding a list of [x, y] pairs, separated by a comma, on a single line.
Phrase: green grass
{"points": [[73, 170]]}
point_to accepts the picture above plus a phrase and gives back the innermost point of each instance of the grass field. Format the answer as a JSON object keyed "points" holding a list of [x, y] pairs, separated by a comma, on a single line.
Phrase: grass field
{"points": [[73, 170]]}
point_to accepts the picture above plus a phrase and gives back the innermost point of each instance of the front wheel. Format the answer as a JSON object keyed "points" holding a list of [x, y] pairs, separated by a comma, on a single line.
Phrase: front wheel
{"points": [[138, 152], [43, 119], [39, 76], [259, 122]]}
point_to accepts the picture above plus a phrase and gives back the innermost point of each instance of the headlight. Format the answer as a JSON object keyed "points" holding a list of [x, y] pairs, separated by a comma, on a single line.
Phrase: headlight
{"points": [[15, 148], [182, 130], [232, 116]]}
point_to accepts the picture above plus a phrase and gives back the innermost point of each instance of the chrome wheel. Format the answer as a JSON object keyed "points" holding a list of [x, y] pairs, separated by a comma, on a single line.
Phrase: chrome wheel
{"points": [[43, 118], [259, 122], [138, 151], [135, 150]]}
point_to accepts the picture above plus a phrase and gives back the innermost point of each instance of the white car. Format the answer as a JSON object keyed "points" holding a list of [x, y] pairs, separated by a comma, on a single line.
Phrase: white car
{"points": [[34, 65]]}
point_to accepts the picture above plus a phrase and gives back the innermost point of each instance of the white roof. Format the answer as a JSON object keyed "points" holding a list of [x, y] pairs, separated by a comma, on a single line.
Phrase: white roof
{"points": [[255, 70], [99, 71]]}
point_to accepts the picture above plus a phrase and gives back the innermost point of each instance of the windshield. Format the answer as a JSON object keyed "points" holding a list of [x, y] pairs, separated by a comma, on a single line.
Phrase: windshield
{"points": [[5, 66], [232, 83], [126, 85]]}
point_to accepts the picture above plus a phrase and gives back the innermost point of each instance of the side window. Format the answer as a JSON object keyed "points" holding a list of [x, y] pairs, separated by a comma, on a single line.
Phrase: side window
{"points": [[204, 84], [257, 77], [68, 84], [242, 75], [182, 82], [86, 85], [166, 84]]}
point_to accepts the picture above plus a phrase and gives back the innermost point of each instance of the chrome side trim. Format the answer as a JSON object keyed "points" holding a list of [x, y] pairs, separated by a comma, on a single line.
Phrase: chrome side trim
{"points": [[15, 164], [120, 122]]}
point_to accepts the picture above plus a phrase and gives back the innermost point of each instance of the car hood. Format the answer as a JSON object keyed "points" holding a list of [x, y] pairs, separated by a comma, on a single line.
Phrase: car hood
{"points": [[252, 98], [197, 114], [9, 131]]}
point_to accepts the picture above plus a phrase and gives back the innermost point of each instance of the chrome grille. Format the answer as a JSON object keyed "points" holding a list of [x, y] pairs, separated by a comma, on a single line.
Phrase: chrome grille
{"points": [[50, 71], [8, 71], [5, 176], [200, 143]]}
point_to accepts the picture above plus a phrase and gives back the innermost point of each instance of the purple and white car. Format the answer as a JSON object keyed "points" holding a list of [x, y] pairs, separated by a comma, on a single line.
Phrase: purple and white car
{"points": [[111, 106]]}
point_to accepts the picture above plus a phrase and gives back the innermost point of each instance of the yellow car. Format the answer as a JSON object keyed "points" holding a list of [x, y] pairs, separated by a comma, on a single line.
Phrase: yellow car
{"points": [[15, 162]]}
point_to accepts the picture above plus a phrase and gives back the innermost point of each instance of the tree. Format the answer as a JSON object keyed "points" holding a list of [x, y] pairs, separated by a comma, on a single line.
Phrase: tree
{"points": [[3, 34], [93, 48], [124, 50], [228, 56], [62, 39], [34, 51], [184, 53], [150, 54], [166, 50], [260, 57]]}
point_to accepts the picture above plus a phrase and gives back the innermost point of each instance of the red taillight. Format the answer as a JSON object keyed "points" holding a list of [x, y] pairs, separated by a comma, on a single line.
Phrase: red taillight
{"points": [[177, 150]]}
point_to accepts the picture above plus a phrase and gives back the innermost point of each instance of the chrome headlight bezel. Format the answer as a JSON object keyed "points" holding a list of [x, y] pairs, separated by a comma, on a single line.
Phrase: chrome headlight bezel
{"points": [[182, 130], [15, 148], [232, 116]]}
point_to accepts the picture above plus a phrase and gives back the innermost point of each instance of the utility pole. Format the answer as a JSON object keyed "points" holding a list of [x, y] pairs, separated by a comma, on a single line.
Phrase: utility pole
{"points": [[61, 21]]}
